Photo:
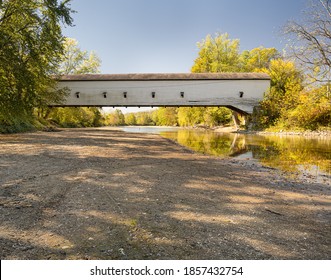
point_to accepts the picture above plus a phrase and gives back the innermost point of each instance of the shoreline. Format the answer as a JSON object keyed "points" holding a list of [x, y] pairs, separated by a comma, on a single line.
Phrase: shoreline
{"points": [[107, 194], [323, 133], [217, 129], [233, 129]]}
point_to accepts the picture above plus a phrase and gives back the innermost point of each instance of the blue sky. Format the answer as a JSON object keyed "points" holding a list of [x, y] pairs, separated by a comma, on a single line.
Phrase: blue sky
{"points": [[144, 36]]}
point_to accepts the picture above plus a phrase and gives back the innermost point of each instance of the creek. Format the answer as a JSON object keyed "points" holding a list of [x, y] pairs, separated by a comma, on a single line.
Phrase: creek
{"points": [[298, 156]]}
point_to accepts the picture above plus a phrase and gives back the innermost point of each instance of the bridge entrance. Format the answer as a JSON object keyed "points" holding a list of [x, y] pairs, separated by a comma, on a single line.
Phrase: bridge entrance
{"points": [[240, 92]]}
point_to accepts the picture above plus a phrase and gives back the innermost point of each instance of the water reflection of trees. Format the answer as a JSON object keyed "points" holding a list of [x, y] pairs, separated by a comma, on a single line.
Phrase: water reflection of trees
{"points": [[285, 153], [292, 153], [207, 142]]}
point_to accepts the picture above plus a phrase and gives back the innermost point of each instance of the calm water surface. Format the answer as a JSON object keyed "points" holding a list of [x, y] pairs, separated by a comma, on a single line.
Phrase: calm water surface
{"points": [[298, 155]]}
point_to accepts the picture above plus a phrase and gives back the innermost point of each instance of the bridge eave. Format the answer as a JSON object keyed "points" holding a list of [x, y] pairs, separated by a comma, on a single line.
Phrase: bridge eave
{"points": [[164, 77]]}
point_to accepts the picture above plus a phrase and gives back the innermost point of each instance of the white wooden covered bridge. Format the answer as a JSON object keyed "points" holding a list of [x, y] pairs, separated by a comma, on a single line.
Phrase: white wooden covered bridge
{"points": [[237, 91]]}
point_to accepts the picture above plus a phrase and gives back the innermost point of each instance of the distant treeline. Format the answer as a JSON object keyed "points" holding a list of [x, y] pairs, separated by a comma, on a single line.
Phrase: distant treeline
{"points": [[169, 116], [172, 116]]}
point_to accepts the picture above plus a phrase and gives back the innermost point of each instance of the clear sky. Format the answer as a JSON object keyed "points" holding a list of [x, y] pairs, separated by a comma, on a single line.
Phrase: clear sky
{"points": [[144, 36]]}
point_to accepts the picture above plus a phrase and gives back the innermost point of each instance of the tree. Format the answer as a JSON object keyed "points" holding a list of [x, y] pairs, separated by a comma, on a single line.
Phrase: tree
{"points": [[30, 51], [286, 85], [217, 53], [312, 112], [214, 116], [310, 41], [76, 117], [188, 116], [257, 58], [115, 118], [144, 118], [130, 119], [167, 116], [310, 45], [76, 61]]}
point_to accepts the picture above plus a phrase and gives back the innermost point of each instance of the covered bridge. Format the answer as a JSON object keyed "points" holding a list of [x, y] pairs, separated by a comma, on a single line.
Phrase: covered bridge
{"points": [[237, 91]]}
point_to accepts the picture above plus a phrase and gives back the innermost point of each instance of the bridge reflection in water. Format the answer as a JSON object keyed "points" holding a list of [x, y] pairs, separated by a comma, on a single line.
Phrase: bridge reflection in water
{"points": [[297, 155], [211, 143]]}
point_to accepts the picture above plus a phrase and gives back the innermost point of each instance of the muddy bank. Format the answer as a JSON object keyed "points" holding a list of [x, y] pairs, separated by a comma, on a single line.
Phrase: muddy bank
{"points": [[107, 194]]}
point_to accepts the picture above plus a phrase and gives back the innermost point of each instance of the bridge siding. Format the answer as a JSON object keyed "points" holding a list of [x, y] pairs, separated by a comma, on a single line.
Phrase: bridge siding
{"points": [[199, 90]]}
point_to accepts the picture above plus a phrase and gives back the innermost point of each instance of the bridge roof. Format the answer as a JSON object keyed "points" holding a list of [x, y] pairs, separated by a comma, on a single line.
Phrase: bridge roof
{"points": [[165, 77]]}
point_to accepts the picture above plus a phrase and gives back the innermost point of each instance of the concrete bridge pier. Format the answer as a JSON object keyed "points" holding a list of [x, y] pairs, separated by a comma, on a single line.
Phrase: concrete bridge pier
{"points": [[238, 119]]}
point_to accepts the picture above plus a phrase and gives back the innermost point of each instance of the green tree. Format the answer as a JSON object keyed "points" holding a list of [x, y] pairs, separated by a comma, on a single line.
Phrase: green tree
{"points": [[167, 116], [286, 85], [221, 54], [76, 117], [217, 53], [31, 45], [184, 116], [214, 116], [76, 61], [188, 116], [257, 58]]}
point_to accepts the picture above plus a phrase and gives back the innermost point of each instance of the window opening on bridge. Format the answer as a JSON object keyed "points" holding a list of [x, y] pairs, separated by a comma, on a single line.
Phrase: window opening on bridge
{"points": [[241, 94], [182, 94], [125, 94], [153, 94], [77, 94], [104, 94]]}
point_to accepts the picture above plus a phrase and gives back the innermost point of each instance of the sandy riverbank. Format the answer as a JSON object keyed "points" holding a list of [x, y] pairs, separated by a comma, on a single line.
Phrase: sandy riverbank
{"points": [[233, 129], [107, 194]]}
